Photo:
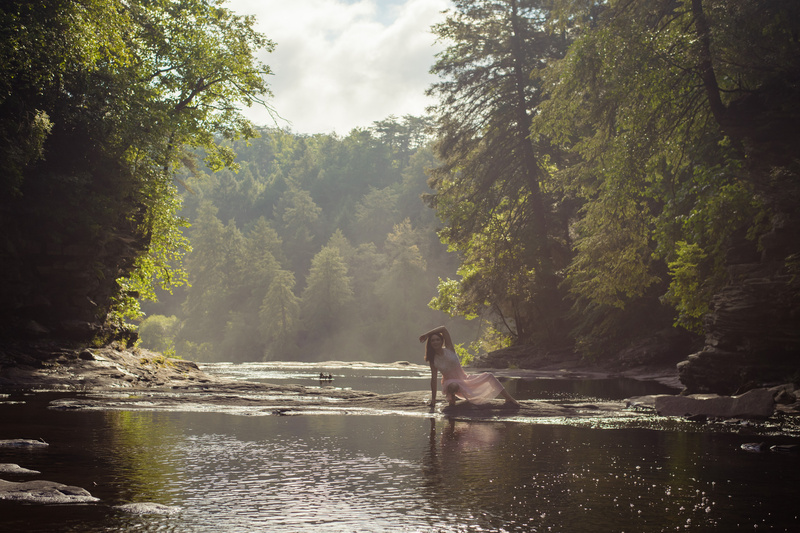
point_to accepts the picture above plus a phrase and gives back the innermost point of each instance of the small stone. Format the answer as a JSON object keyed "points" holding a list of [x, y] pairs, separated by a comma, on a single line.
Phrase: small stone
{"points": [[785, 448], [142, 508], [754, 447]]}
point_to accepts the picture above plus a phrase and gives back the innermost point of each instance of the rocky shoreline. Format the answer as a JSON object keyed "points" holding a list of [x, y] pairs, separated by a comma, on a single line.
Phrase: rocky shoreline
{"points": [[114, 377]]}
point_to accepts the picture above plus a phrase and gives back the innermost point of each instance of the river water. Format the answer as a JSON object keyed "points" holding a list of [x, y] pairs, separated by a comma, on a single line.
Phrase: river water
{"points": [[227, 472]]}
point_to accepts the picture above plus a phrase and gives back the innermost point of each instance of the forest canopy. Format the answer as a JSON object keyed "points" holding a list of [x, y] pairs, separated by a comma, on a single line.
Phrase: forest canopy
{"points": [[620, 154]]}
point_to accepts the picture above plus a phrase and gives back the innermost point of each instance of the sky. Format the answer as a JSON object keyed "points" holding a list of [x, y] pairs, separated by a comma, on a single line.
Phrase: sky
{"points": [[344, 64]]}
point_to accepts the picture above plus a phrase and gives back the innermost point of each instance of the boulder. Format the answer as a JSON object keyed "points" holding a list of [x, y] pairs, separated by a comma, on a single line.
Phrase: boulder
{"points": [[41, 491], [758, 403]]}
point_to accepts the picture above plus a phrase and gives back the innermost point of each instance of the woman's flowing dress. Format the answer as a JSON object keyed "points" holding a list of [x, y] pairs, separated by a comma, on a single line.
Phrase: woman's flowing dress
{"points": [[477, 388]]}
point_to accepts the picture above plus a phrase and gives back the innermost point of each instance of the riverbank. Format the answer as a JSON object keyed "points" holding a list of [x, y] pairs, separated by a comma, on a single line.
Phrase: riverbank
{"points": [[114, 377], [52, 366], [117, 378]]}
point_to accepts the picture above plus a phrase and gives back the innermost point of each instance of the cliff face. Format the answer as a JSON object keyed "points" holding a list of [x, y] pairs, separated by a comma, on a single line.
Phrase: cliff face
{"points": [[58, 285], [71, 228], [69, 232], [753, 329]]}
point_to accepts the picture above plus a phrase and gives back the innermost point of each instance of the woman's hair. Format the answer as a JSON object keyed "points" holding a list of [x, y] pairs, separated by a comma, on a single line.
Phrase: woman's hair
{"points": [[428, 349]]}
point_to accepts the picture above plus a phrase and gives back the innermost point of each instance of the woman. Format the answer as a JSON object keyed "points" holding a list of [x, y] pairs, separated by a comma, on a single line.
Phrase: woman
{"points": [[477, 388]]}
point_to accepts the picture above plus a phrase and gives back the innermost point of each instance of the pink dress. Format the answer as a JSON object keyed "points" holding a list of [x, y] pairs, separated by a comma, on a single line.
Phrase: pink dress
{"points": [[477, 388]]}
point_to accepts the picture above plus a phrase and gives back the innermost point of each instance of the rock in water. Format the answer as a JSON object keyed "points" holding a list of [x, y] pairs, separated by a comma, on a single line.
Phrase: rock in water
{"points": [[757, 403], [41, 491], [142, 508], [754, 447], [11, 468], [785, 448], [22, 443]]}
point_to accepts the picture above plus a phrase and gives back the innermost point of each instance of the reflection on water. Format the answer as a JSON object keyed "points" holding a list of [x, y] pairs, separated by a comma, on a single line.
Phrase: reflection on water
{"points": [[392, 473]]}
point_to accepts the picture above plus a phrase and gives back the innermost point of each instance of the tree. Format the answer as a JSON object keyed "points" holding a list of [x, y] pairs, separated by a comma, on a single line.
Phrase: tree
{"points": [[328, 290], [679, 113], [376, 213], [402, 286], [158, 332], [229, 310], [403, 137], [280, 317], [99, 101], [218, 284], [299, 216], [492, 189]]}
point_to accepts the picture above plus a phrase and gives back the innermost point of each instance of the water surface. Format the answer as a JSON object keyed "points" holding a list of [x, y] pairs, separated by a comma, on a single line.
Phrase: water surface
{"points": [[230, 472]]}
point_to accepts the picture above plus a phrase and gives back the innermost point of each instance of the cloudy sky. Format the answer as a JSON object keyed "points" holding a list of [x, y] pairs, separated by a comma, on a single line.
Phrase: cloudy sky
{"points": [[341, 64]]}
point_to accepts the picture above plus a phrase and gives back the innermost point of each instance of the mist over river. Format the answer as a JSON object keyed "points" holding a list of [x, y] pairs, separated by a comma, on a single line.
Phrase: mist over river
{"points": [[385, 472]]}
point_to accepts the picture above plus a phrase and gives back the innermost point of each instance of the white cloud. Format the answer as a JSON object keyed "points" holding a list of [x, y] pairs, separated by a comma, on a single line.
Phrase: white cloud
{"points": [[342, 64]]}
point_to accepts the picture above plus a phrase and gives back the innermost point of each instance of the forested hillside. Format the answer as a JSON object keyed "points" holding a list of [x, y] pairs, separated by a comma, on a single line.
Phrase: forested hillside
{"points": [[605, 172], [315, 247]]}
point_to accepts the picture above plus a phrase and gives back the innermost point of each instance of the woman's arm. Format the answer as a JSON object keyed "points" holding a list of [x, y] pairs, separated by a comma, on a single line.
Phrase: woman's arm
{"points": [[448, 342]]}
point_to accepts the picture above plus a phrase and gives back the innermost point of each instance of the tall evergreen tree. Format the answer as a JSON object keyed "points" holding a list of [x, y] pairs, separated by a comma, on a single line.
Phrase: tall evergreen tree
{"points": [[299, 216], [280, 318], [217, 278], [401, 285], [328, 290], [492, 189]]}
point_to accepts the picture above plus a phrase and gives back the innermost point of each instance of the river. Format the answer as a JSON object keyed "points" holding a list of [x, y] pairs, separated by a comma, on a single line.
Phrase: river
{"points": [[238, 473]]}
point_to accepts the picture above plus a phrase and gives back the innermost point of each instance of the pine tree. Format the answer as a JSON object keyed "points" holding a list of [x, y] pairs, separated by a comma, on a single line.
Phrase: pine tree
{"points": [[491, 189], [280, 318]]}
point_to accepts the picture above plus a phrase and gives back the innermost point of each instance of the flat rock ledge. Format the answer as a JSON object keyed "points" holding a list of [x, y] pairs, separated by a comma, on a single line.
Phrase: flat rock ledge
{"points": [[45, 492], [759, 403], [80, 370]]}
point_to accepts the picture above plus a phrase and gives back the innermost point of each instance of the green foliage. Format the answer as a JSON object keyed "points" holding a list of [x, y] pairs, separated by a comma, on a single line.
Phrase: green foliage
{"points": [[260, 284], [492, 188], [280, 317], [158, 332], [449, 300], [687, 293], [668, 159], [327, 291], [101, 102], [161, 266], [656, 140]]}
